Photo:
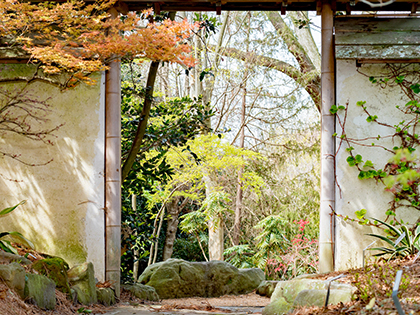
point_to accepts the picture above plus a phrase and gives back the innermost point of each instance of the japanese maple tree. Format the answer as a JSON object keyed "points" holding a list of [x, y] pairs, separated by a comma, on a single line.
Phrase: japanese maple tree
{"points": [[80, 38]]}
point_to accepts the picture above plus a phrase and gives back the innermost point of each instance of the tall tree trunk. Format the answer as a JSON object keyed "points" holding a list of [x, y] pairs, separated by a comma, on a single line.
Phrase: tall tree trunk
{"points": [[239, 192], [144, 117]]}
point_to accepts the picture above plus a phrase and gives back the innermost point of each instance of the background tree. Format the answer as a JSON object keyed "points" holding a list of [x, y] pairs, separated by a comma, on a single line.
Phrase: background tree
{"points": [[276, 117]]}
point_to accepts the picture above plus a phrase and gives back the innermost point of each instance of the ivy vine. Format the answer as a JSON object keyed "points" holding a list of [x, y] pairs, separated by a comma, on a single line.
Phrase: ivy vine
{"points": [[401, 174]]}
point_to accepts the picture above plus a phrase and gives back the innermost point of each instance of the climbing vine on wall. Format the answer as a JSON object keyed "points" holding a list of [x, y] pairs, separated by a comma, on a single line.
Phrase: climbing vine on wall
{"points": [[401, 173]]}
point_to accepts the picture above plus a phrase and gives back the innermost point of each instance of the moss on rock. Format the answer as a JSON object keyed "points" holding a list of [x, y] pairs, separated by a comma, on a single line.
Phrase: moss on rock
{"points": [[56, 269]]}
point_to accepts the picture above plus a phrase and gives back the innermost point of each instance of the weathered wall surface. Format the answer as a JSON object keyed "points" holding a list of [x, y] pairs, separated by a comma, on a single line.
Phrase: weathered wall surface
{"points": [[63, 214], [354, 194]]}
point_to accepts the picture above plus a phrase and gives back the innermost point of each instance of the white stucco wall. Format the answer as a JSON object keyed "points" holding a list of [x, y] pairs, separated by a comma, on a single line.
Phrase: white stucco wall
{"points": [[354, 194], [64, 210]]}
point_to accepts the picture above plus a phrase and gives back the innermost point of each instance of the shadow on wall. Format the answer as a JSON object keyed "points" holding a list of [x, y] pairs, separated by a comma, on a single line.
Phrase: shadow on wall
{"points": [[64, 213]]}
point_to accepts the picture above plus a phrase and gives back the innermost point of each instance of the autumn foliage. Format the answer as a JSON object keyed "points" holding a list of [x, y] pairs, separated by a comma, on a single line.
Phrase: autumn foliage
{"points": [[80, 38]]}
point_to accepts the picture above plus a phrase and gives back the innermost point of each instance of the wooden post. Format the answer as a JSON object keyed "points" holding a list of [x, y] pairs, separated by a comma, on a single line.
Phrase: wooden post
{"points": [[326, 234], [113, 172]]}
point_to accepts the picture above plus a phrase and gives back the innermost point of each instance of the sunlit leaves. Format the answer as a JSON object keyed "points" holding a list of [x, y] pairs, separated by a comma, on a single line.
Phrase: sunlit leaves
{"points": [[80, 39]]}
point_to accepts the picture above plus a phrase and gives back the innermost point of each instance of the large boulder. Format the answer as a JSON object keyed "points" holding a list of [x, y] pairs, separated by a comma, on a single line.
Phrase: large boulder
{"points": [[142, 291], [14, 277], [40, 291], [82, 280], [176, 278], [56, 269], [306, 292]]}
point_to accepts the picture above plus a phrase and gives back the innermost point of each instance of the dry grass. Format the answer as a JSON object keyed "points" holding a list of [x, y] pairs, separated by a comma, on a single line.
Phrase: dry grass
{"points": [[11, 304], [375, 284]]}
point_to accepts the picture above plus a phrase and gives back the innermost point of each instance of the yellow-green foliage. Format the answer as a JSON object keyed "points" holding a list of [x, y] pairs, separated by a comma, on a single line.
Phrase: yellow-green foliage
{"points": [[207, 158]]}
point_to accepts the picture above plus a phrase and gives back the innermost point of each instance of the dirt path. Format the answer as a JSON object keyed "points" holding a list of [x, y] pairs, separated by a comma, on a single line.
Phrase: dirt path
{"points": [[242, 304]]}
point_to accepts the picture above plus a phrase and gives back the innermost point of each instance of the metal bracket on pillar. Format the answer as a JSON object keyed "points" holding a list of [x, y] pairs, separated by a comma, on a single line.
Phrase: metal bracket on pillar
{"points": [[414, 6], [348, 9], [121, 7], [218, 8], [318, 7], [283, 7], [334, 6], [156, 8]]}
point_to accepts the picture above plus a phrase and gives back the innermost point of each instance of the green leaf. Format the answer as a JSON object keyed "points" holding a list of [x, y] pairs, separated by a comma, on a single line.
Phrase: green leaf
{"points": [[20, 236], [399, 79], [415, 88], [361, 103], [8, 210], [383, 238], [333, 109], [389, 226], [7, 247], [360, 214], [351, 161], [368, 163], [371, 118]]}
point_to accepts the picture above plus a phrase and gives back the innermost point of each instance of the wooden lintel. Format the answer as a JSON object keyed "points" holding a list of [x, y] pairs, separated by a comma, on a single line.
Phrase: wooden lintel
{"points": [[14, 61]]}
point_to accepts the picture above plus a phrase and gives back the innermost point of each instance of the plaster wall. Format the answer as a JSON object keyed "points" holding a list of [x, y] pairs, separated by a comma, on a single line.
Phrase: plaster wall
{"points": [[64, 210], [353, 194]]}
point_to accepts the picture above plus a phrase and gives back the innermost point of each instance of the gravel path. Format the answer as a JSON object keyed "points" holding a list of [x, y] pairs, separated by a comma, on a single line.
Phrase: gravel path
{"points": [[234, 305]]}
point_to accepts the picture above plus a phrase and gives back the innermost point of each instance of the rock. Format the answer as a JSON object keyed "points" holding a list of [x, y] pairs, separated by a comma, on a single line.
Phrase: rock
{"points": [[266, 288], [82, 280], [306, 292], [14, 277], [278, 307], [40, 291], [317, 297], [106, 296], [176, 278], [55, 269], [141, 291], [6, 258]]}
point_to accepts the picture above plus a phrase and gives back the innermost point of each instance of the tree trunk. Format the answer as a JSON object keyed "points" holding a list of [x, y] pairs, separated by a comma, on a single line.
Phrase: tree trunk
{"points": [[136, 251], [173, 209], [144, 117], [216, 239], [305, 38], [216, 231], [239, 192]]}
